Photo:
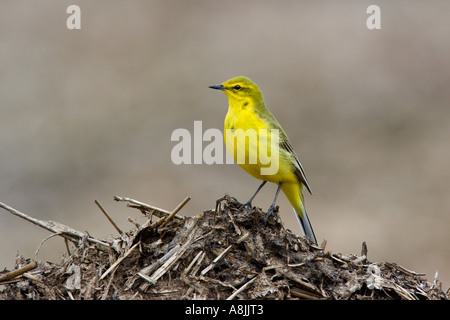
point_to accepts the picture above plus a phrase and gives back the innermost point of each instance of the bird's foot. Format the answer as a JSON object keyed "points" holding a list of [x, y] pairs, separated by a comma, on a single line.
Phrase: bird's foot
{"points": [[247, 205], [269, 213]]}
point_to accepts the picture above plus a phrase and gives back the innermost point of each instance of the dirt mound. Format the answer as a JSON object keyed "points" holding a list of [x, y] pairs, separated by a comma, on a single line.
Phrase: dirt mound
{"points": [[216, 255]]}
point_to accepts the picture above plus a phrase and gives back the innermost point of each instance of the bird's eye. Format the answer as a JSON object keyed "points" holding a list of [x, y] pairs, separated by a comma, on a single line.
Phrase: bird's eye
{"points": [[237, 87]]}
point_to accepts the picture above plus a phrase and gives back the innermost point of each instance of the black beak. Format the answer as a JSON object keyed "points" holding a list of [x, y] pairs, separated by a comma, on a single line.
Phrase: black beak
{"points": [[217, 87]]}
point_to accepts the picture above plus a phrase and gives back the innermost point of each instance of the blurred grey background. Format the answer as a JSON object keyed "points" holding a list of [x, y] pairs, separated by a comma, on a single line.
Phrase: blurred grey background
{"points": [[88, 114]]}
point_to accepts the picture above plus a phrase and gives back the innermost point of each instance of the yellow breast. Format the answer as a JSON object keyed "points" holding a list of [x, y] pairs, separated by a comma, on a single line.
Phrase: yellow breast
{"points": [[255, 148]]}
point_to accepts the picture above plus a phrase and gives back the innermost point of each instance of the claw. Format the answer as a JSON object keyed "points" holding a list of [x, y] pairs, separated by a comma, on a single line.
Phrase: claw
{"points": [[248, 204], [269, 213], [272, 207]]}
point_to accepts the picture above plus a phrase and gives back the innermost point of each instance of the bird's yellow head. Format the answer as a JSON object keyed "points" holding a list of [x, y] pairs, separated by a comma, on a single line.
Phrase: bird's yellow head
{"points": [[241, 91]]}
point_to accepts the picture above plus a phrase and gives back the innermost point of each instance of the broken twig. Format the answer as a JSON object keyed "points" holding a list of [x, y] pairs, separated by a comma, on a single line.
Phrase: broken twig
{"points": [[55, 227], [109, 217], [18, 272], [115, 264], [220, 256], [248, 283], [174, 212]]}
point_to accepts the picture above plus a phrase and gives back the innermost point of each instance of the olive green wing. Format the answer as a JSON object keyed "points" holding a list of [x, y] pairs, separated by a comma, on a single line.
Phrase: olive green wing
{"points": [[286, 145]]}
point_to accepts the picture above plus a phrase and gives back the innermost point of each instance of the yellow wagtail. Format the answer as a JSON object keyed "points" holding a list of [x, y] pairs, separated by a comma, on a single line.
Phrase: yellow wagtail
{"points": [[247, 111]]}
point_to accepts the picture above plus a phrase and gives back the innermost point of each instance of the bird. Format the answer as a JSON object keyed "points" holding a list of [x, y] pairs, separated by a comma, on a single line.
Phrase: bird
{"points": [[247, 111]]}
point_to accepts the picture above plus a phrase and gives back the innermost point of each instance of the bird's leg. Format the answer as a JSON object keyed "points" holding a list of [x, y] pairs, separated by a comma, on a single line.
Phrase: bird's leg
{"points": [[248, 204], [270, 211]]}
